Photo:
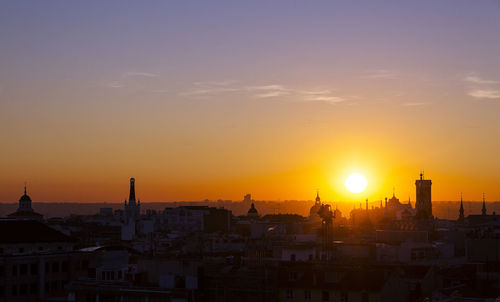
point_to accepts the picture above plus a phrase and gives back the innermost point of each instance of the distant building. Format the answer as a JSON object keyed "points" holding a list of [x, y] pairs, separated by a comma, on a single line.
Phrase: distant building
{"points": [[106, 211], [252, 212], [313, 212], [25, 211], [197, 219], [424, 199], [133, 208]]}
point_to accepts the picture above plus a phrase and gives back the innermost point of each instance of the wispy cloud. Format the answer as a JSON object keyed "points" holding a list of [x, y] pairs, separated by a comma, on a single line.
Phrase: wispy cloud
{"points": [[413, 104], [485, 94], [480, 88], [268, 91], [115, 84], [387, 74], [211, 88], [473, 78], [130, 74]]}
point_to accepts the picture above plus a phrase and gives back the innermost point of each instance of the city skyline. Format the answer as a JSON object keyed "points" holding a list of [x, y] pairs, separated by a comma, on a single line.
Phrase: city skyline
{"points": [[216, 101]]}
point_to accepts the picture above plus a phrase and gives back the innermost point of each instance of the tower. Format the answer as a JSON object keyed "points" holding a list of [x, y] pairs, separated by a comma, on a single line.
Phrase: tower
{"points": [[25, 211], [423, 205], [483, 210], [133, 208], [461, 211], [25, 202]]}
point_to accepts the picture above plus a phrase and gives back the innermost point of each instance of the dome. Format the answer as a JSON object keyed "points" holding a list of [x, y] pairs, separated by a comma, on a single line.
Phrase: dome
{"points": [[253, 211], [314, 209], [313, 212], [25, 197]]}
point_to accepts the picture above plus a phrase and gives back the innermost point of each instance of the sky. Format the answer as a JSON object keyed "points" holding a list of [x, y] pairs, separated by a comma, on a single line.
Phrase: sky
{"points": [[216, 99]]}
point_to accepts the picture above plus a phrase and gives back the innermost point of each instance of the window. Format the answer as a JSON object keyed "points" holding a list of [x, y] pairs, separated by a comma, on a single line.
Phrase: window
{"points": [[325, 296], [23, 269], [365, 297], [34, 288], [55, 267], [65, 266], [34, 268], [23, 289], [344, 297], [54, 286], [307, 295], [289, 294]]}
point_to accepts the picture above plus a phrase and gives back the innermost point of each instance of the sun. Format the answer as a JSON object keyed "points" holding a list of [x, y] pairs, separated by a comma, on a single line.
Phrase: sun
{"points": [[356, 183]]}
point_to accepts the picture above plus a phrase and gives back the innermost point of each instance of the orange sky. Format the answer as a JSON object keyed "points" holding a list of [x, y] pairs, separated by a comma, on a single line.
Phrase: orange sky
{"points": [[275, 100]]}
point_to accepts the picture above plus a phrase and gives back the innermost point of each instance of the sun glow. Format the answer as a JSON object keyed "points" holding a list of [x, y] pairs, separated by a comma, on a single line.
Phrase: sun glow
{"points": [[356, 183]]}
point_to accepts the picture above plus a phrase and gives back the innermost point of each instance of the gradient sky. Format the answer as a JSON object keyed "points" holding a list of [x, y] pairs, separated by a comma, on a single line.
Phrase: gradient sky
{"points": [[215, 99]]}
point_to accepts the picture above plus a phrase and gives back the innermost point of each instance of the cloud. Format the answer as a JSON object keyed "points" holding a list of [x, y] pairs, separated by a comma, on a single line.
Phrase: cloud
{"points": [[480, 88], [387, 74], [268, 91], [271, 94], [413, 104], [115, 84], [485, 94], [473, 78], [130, 74]]}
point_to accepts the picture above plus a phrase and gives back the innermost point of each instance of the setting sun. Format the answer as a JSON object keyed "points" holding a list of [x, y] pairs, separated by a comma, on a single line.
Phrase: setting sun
{"points": [[356, 183]]}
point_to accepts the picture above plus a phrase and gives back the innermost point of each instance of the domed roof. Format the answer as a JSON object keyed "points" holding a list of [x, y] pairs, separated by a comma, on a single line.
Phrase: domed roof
{"points": [[314, 209], [252, 210], [25, 197]]}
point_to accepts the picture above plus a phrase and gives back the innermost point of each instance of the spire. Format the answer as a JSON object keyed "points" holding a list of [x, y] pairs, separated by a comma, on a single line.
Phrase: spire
{"points": [[131, 198], [409, 202], [483, 210], [25, 188], [461, 211], [318, 200]]}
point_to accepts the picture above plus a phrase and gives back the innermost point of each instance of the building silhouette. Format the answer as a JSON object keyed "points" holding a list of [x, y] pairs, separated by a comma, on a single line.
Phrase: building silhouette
{"points": [[25, 211], [133, 208], [424, 199]]}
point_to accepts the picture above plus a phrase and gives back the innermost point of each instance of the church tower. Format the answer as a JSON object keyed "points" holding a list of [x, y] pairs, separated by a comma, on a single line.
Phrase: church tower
{"points": [[133, 208], [483, 210], [461, 211], [25, 202], [423, 204]]}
